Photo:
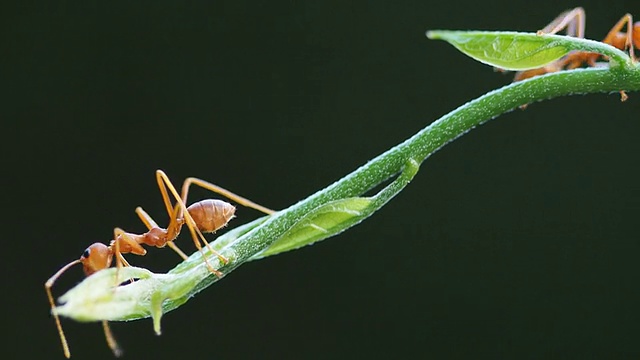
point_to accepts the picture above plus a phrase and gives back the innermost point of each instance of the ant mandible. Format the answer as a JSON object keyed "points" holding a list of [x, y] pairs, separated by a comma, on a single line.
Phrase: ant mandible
{"points": [[205, 216], [574, 22]]}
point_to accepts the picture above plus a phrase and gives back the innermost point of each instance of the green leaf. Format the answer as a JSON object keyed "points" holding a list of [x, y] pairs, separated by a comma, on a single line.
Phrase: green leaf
{"points": [[510, 51], [336, 216], [321, 223], [522, 51]]}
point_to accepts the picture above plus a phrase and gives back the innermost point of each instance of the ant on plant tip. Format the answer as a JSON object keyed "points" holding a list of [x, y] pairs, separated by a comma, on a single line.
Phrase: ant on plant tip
{"points": [[204, 216]]}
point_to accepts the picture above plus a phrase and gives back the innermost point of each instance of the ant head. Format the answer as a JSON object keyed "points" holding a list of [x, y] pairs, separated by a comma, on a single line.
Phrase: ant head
{"points": [[96, 257], [636, 34]]}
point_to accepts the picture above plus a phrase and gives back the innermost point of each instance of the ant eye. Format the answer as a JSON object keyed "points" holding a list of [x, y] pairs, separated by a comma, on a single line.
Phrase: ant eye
{"points": [[86, 253]]}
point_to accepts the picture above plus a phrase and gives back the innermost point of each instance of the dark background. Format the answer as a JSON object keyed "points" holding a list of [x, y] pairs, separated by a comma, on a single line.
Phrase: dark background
{"points": [[519, 240]]}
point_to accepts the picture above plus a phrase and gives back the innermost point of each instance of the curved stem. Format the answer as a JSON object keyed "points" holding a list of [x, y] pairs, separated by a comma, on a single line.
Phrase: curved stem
{"points": [[439, 133], [169, 291]]}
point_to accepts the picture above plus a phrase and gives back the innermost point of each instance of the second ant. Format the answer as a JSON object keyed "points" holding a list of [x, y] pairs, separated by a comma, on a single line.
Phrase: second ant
{"points": [[574, 23]]}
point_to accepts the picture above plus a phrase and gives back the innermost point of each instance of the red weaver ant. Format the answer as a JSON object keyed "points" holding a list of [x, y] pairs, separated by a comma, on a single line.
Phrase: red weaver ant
{"points": [[574, 22], [204, 216]]}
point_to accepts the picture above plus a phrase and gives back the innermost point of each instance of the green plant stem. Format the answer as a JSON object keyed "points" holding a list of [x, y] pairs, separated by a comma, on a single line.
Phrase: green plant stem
{"points": [[438, 134], [159, 293]]}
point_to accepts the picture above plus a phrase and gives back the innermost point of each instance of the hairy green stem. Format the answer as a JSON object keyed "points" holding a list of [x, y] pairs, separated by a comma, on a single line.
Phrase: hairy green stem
{"points": [[156, 294], [441, 132]]}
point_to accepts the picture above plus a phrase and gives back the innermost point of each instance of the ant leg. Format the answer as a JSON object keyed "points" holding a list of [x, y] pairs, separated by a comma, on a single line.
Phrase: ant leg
{"points": [[636, 34], [150, 223], [118, 233], [47, 286], [131, 246], [146, 218], [175, 213], [573, 20], [196, 234], [221, 191], [175, 248], [111, 340], [124, 261], [615, 30], [612, 39], [523, 75]]}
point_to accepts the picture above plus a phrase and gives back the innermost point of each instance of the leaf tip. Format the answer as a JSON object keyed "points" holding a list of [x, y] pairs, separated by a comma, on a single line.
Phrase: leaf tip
{"points": [[434, 34], [156, 314]]}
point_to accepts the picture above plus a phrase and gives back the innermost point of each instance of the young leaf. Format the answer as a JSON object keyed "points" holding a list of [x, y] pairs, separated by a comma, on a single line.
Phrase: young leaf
{"points": [[336, 216], [322, 222]]}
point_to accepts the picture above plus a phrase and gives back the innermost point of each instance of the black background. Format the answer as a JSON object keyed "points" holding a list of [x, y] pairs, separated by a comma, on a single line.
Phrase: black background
{"points": [[519, 240]]}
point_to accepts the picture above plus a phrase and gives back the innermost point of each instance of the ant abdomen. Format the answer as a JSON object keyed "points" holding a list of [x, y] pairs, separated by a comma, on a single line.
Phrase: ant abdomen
{"points": [[211, 215]]}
